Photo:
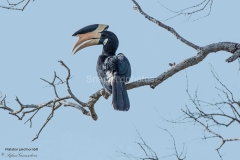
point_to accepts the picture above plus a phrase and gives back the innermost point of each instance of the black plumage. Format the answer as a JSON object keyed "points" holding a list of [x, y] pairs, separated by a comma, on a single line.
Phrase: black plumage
{"points": [[113, 70]]}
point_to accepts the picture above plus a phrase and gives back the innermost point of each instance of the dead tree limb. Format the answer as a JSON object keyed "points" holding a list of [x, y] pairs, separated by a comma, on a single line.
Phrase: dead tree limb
{"points": [[20, 6], [213, 115], [189, 11], [55, 103], [201, 53], [150, 154]]}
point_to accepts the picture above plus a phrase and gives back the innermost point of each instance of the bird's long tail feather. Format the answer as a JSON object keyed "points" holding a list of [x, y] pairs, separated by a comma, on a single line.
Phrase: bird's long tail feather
{"points": [[120, 99]]}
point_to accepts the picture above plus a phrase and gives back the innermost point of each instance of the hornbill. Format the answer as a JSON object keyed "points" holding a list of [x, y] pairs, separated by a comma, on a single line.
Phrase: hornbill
{"points": [[113, 70]]}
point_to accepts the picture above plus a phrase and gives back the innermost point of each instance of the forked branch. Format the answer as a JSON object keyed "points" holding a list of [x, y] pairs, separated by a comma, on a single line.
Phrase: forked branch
{"points": [[201, 53], [189, 11], [213, 115], [20, 5], [55, 103], [150, 154]]}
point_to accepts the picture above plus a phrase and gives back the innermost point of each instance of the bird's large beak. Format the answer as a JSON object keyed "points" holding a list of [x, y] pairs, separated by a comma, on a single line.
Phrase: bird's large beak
{"points": [[88, 36]]}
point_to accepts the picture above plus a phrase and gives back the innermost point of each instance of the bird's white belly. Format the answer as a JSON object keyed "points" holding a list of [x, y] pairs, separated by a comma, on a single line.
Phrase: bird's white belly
{"points": [[109, 77]]}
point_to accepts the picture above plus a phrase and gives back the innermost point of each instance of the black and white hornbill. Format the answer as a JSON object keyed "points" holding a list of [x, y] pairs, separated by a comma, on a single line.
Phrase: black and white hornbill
{"points": [[113, 70]]}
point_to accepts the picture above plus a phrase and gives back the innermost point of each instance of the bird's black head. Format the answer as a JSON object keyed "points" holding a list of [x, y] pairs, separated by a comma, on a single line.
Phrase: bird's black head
{"points": [[96, 34], [109, 41]]}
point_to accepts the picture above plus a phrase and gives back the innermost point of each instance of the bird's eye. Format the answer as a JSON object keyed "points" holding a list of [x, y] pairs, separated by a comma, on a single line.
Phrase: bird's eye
{"points": [[105, 41], [103, 35]]}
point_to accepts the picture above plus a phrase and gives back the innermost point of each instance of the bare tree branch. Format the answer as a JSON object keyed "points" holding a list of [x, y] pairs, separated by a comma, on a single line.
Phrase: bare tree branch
{"points": [[176, 154], [212, 115], [189, 11], [55, 103], [215, 47], [223, 113], [202, 52], [151, 154], [171, 30], [21, 5]]}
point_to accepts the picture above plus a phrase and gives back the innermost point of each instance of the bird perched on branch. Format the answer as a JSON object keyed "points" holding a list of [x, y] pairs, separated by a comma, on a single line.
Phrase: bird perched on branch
{"points": [[113, 70]]}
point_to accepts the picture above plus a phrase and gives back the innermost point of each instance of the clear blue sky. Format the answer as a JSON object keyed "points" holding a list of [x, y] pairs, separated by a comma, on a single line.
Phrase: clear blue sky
{"points": [[33, 41]]}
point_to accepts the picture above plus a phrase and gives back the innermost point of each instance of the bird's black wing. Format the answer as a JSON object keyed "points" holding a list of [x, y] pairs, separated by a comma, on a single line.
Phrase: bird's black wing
{"points": [[104, 75], [123, 67], [120, 69]]}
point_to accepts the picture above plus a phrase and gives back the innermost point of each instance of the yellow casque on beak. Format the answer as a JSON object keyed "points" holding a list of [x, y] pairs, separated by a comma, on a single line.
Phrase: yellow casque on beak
{"points": [[90, 38]]}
